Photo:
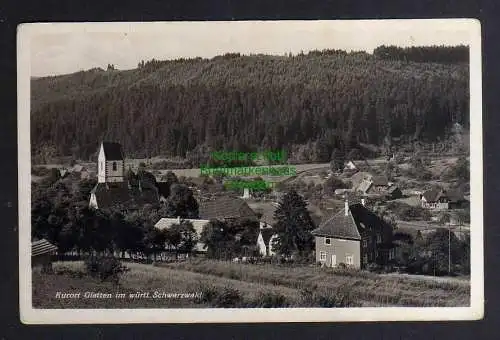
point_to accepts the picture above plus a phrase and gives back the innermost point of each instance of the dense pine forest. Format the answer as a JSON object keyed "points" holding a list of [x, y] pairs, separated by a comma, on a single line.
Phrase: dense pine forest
{"points": [[255, 102]]}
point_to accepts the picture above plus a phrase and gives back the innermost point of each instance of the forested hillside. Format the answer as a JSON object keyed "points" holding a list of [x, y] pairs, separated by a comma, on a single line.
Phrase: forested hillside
{"points": [[251, 102]]}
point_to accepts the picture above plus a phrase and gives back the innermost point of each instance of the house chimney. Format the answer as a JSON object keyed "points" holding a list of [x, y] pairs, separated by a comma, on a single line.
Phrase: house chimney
{"points": [[363, 202], [346, 207]]}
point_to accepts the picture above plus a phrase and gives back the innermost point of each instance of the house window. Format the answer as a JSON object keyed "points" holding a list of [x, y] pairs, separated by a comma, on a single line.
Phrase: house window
{"points": [[328, 240], [322, 256], [379, 238], [365, 258], [349, 260], [365, 243], [114, 166]]}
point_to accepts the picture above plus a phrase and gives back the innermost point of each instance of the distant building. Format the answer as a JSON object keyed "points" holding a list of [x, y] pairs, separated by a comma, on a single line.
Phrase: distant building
{"points": [[351, 165], [113, 189], [342, 191], [354, 236], [265, 241], [379, 186], [226, 208], [442, 199], [394, 193], [198, 224], [246, 193]]}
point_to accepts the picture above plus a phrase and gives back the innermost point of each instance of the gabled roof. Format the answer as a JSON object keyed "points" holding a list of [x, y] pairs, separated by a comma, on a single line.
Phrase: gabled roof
{"points": [[112, 151], [42, 247], [364, 186], [432, 195], [380, 181], [226, 207], [339, 225], [267, 234], [393, 189], [119, 193], [358, 219], [452, 195]]}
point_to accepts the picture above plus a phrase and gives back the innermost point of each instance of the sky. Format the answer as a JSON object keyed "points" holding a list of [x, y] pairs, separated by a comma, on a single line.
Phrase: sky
{"points": [[70, 47]]}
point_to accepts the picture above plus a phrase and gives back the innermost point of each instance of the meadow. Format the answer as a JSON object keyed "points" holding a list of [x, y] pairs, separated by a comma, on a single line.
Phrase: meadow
{"points": [[227, 284]]}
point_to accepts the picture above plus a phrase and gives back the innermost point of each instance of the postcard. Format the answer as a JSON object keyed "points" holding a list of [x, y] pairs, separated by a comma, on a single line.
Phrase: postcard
{"points": [[250, 171]]}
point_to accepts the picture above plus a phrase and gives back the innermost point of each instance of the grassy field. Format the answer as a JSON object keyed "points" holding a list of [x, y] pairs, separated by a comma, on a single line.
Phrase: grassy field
{"points": [[367, 288], [226, 284]]}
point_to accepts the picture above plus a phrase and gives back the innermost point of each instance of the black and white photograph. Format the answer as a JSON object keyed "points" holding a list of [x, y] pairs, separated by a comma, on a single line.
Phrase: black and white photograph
{"points": [[250, 171]]}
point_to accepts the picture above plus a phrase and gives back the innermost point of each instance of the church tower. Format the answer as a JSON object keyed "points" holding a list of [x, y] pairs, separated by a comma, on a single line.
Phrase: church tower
{"points": [[110, 163]]}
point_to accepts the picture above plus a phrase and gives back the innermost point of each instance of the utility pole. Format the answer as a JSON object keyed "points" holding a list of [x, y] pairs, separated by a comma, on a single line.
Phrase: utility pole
{"points": [[449, 249]]}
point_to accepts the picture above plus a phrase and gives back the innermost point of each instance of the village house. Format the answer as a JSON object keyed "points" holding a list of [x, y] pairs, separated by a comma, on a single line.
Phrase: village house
{"points": [[379, 186], [266, 232], [42, 252], [354, 236], [113, 189], [442, 199], [198, 225], [353, 166], [265, 241], [226, 208]]}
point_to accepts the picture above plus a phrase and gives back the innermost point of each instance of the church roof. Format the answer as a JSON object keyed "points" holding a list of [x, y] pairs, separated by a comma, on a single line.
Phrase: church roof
{"points": [[112, 151], [120, 193]]}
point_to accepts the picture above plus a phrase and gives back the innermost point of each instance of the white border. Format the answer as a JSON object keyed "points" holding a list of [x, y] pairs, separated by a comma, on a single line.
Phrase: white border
{"points": [[29, 315]]}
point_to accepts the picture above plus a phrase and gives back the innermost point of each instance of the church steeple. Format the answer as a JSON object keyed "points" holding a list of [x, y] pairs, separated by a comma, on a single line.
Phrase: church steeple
{"points": [[110, 164]]}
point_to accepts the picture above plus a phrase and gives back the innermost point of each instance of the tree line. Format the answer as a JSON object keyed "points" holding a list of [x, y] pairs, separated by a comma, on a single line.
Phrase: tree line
{"points": [[249, 103], [429, 54]]}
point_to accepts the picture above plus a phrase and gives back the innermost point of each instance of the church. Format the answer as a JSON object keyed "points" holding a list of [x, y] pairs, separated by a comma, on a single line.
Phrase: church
{"points": [[115, 188]]}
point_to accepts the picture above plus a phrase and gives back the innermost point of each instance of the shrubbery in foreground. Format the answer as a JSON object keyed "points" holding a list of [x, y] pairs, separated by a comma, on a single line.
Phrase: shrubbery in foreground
{"points": [[106, 268]]}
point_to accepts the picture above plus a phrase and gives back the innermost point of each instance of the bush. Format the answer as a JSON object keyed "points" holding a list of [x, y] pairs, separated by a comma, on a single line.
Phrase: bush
{"points": [[227, 298], [407, 212], [341, 297], [209, 294], [373, 267], [105, 268], [270, 300], [342, 266], [40, 171]]}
